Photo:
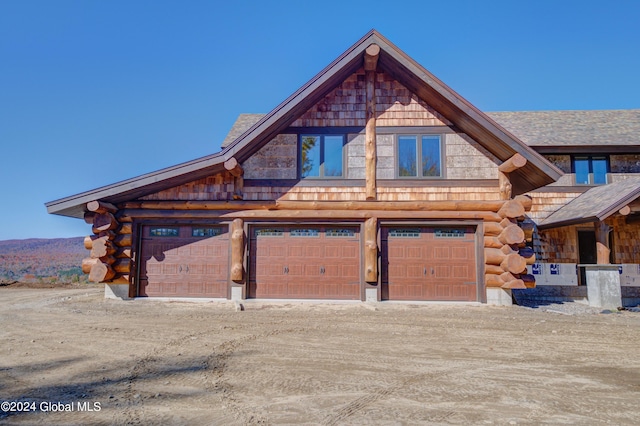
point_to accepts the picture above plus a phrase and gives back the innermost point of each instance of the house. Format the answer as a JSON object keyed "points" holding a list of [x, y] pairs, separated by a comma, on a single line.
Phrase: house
{"points": [[373, 181]]}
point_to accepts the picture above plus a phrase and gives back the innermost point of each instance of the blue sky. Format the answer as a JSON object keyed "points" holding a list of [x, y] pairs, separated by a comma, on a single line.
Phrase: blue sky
{"points": [[94, 92]]}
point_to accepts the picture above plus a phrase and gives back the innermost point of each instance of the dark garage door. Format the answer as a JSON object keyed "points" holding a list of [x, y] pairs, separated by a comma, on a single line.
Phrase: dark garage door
{"points": [[306, 262], [429, 263], [184, 261]]}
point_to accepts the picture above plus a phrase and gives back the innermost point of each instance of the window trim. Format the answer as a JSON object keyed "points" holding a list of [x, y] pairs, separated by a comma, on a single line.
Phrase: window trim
{"points": [[419, 165], [321, 172], [590, 174]]}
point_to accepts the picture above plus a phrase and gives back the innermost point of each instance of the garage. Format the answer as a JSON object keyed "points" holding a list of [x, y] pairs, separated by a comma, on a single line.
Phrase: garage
{"points": [[184, 261], [305, 262], [429, 263]]}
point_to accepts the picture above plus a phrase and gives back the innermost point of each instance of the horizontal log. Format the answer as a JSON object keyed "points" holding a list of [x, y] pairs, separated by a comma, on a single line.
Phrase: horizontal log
{"points": [[481, 206], [527, 228], [529, 280], [515, 162], [100, 207], [88, 217], [88, 241], [625, 210], [493, 269], [492, 242], [125, 228], [108, 259], [514, 284], [492, 229], [511, 235], [311, 214], [104, 222], [512, 262], [233, 167], [87, 263], [525, 200], [493, 280], [511, 209], [101, 272], [102, 247], [122, 266], [123, 240], [124, 252], [120, 279]]}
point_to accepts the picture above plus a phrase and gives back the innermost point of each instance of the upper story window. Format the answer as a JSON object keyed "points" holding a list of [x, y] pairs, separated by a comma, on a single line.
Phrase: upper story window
{"points": [[590, 169], [321, 156], [419, 156]]}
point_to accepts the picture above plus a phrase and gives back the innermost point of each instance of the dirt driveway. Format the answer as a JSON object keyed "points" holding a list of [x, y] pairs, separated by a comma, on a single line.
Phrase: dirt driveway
{"points": [[145, 362]]}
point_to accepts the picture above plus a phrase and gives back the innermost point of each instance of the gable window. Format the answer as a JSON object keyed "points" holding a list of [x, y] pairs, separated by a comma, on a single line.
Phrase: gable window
{"points": [[419, 156], [590, 169], [321, 156]]}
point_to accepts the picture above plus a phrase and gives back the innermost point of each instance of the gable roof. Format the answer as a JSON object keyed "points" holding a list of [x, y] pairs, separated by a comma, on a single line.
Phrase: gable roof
{"points": [[598, 203], [467, 118], [568, 129]]}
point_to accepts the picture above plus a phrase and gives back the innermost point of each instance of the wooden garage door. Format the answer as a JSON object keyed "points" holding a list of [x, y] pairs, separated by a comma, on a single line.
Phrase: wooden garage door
{"points": [[184, 261], [312, 262], [429, 263]]}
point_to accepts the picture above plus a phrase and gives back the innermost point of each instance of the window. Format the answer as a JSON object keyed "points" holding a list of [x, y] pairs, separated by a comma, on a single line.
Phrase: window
{"points": [[449, 233], [419, 156], [321, 156], [205, 232], [405, 233], [304, 233], [164, 232], [590, 169]]}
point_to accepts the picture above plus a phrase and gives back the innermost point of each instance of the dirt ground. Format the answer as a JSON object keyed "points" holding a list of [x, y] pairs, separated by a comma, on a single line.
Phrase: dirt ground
{"points": [[150, 362]]}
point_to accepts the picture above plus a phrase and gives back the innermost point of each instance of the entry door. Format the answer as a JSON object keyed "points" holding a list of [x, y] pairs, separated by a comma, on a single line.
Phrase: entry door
{"points": [[429, 263]]}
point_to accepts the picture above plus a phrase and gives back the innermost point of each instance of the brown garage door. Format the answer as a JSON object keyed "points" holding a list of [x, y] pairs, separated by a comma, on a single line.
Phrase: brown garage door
{"points": [[429, 263], [314, 262], [184, 261]]}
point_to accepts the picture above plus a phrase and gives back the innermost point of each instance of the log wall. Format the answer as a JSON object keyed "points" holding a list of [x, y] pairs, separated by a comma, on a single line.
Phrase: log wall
{"points": [[110, 245]]}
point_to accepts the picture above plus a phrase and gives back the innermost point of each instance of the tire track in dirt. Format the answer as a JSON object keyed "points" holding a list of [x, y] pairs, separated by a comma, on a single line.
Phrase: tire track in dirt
{"points": [[211, 378], [375, 395]]}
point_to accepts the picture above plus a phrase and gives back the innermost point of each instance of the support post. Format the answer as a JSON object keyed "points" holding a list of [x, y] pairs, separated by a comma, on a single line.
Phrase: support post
{"points": [[371, 250], [237, 250], [237, 172], [515, 162], [370, 64], [602, 243]]}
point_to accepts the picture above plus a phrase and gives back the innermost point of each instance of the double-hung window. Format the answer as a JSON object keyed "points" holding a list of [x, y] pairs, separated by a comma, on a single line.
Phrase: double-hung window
{"points": [[419, 156], [321, 156], [590, 169]]}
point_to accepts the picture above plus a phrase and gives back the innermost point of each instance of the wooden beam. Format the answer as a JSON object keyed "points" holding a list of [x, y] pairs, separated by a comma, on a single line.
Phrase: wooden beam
{"points": [[625, 210], [603, 250], [504, 181], [486, 216], [515, 162], [237, 250], [487, 206], [104, 222], [371, 57], [233, 167], [100, 207], [370, 156], [371, 250]]}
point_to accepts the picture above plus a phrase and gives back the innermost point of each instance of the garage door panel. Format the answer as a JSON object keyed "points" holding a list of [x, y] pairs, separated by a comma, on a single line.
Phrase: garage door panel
{"points": [[429, 263], [316, 263], [180, 265]]}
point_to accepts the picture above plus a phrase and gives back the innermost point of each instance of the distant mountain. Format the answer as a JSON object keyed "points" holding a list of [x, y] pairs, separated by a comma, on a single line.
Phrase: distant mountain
{"points": [[38, 258]]}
